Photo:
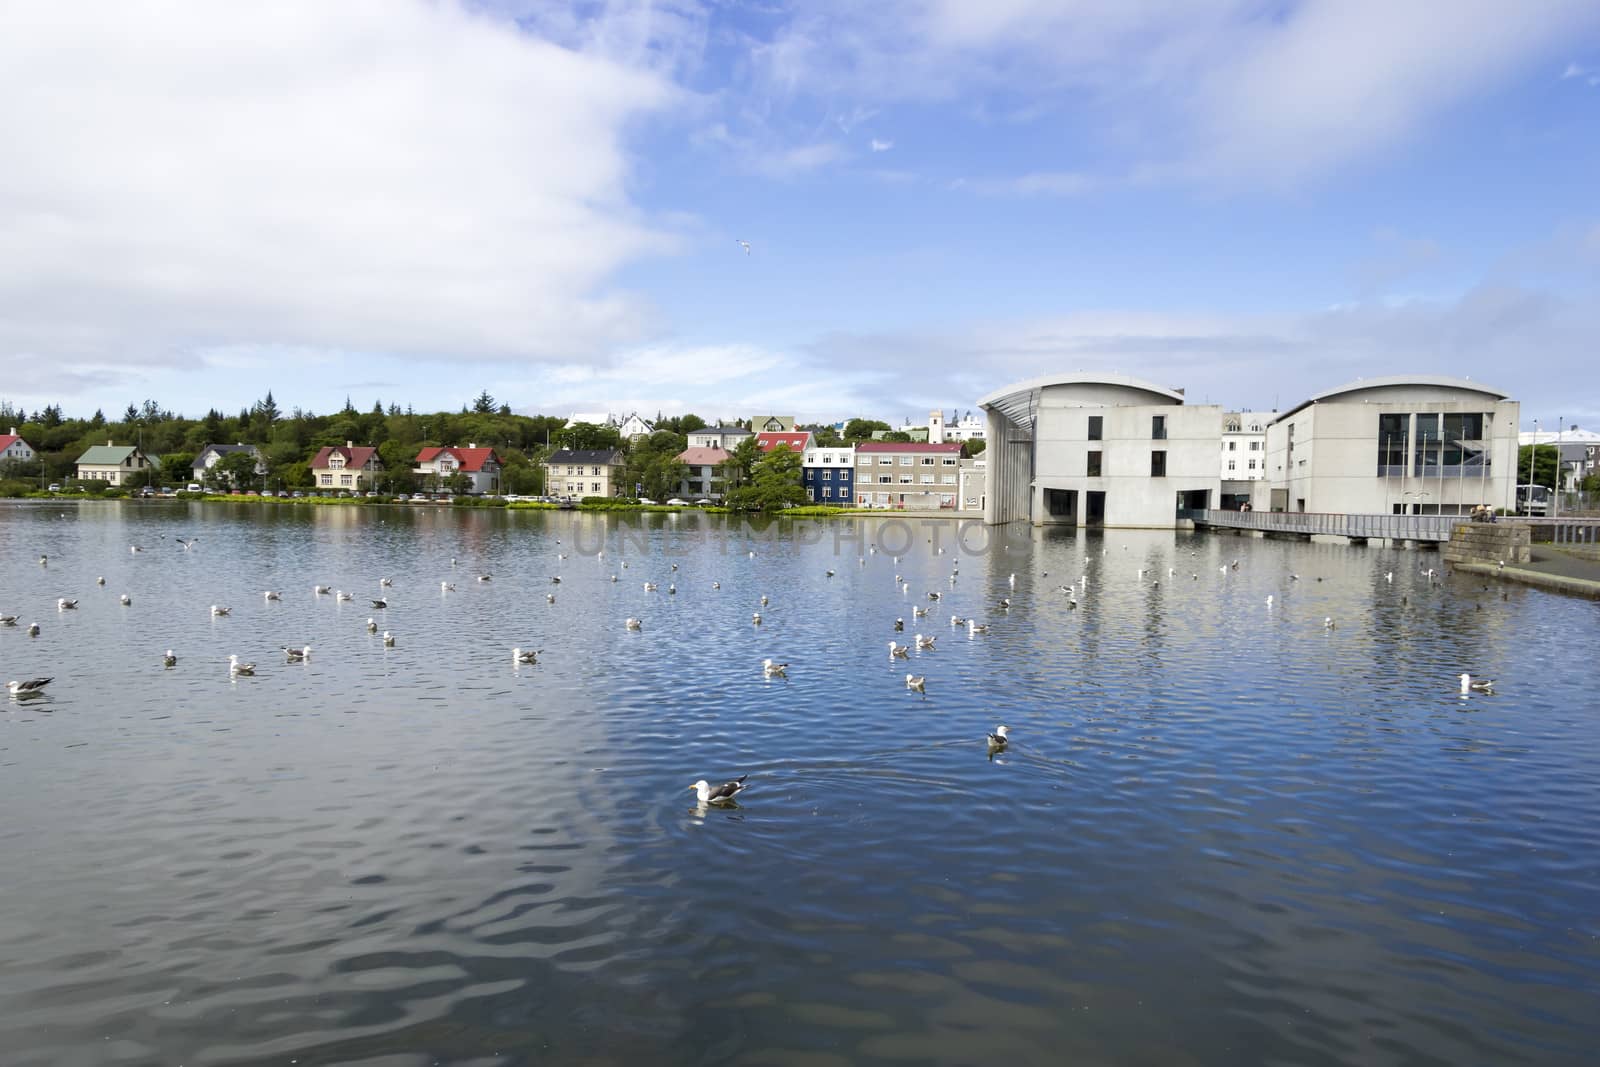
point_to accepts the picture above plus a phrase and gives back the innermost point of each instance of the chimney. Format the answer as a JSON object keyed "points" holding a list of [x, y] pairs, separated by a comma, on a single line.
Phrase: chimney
{"points": [[349, 444], [109, 442], [473, 445]]}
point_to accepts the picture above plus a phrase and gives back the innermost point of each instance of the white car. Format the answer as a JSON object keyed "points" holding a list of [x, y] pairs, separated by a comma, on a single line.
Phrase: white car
{"points": [[678, 503], [646, 500]]}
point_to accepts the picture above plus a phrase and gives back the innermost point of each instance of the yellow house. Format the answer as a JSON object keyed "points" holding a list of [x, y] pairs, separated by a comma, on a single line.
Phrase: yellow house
{"points": [[578, 473]]}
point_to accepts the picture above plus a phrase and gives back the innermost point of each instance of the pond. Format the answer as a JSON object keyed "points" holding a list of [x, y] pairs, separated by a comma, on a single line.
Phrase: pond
{"points": [[1223, 831]]}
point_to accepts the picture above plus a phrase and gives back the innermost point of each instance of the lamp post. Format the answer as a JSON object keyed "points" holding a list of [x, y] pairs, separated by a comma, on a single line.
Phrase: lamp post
{"points": [[1533, 451], [1556, 506]]}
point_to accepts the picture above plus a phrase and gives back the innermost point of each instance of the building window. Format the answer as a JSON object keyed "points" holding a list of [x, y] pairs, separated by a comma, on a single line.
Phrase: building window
{"points": [[1158, 462], [827, 492], [906, 461], [864, 461], [327, 479], [885, 479], [905, 479], [885, 461], [1093, 470], [595, 471], [594, 487], [927, 479], [346, 479], [949, 461], [1232, 464], [1233, 446], [1252, 464], [827, 476], [948, 479], [1255, 446], [1097, 425], [927, 461], [1158, 427]]}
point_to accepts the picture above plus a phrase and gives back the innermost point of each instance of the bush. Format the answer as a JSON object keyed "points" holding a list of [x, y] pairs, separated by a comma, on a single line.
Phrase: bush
{"points": [[479, 502], [15, 487]]}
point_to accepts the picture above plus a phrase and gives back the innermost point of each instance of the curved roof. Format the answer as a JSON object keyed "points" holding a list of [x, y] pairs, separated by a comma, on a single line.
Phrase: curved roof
{"points": [[1017, 402], [1431, 381]]}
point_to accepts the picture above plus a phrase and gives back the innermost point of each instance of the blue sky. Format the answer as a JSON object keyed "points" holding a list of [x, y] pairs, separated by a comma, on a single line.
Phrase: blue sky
{"points": [[416, 201]]}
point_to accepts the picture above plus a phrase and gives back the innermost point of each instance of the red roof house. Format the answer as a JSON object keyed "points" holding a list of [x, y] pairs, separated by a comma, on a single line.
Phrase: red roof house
{"points": [[348, 467], [480, 465], [797, 440]]}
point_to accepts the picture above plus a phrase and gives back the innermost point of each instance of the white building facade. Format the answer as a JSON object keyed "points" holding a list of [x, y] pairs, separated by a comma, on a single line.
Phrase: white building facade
{"points": [[1422, 445], [1098, 450]]}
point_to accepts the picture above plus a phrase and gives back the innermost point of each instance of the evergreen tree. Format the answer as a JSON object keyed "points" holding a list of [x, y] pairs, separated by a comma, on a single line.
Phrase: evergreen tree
{"points": [[485, 404]]}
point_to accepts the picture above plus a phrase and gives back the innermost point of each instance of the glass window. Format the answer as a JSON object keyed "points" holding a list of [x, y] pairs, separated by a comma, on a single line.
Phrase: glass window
{"points": [[1252, 464], [1233, 446], [949, 461], [927, 479], [827, 476], [885, 479], [1393, 437], [1093, 470], [595, 487], [905, 479], [927, 461], [885, 461], [346, 479], [906, 461], [1255, 446], [1158, 427], [1096, 426], [1158, 462], [864, 461], [948, 479], [1232, 464]]}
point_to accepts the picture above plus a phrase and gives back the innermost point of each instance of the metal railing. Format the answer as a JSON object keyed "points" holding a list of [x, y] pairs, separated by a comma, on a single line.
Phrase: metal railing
{"points": [[1393, 527]]}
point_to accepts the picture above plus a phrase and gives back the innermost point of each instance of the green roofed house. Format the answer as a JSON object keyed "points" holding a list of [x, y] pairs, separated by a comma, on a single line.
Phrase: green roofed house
{"points": [[113, 463]]}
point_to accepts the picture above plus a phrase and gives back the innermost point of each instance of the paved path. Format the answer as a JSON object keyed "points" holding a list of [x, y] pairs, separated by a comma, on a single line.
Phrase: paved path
{"points": [[1550, 568]]}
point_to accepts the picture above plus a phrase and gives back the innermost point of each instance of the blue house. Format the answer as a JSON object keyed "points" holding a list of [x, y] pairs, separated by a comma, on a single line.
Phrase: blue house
{"points": [[829, 475]]}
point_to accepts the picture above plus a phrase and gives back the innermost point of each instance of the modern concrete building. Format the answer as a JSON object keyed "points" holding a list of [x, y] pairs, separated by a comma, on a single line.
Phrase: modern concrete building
{"points": [[1244, 454], [1098, 450], [112, 463], [910, 476], [828, 474], [1417, 445]]}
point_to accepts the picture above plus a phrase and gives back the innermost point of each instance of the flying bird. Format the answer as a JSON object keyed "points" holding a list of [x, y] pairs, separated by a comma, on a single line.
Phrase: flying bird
{"points": [[744, 245]]}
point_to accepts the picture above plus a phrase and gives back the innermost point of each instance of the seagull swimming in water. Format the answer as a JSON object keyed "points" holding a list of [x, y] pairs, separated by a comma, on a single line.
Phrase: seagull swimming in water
{"points": [[379, 602], [899, 626], [722, 794], [999, 738], [235, 667], [271, 595], [917, 683], [385, 582], [447, 587], [342, 596], [63, 604], [8, 620], [633, 624], [33, 629], [1469, 684], [525, 655], [901, 651], [217, 611], [100, 580], [975, 628], [322, 590], [388, 639], [770, 669], [924, 642], [125, 599], [372, 626], [755, 618], [169, 660], [28, 687], [297, 655], [549, 598]]}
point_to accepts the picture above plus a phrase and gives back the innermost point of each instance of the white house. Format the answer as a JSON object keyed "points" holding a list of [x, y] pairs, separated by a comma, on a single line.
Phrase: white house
{"points": [[1098, 450], [480, 466], [13, 449], [208, 456], [726, 438]]}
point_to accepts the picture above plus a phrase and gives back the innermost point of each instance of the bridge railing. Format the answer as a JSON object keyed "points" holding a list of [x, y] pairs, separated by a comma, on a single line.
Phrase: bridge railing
{"points": [[1394, 527]]}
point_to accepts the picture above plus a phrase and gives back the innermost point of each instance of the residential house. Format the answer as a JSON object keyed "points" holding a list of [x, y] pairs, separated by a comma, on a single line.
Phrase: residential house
{"points": [[113, 463], [914, 475], [771, 423], [480, 466], [577, 473], [1098, 450], [208, 456], [1576, 447], [797, 440], [829, 474], [13, 449], [723, 437], [1244, 455], [348, 468], [632, 426], [703, 480], [968, 427]]}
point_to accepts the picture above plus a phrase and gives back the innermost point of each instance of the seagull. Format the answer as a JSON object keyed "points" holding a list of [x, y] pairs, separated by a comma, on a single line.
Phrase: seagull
{"points": [[998, 739], [917, 683], [935, 595], [235, 667], [770, 669], [1013, 581], [100, 580], [44, 561], [372, 626], [634, 624], [33, 629], [755, 618], [379, 602], [342, 596], [763, 600], [549, 598], [490, 578], [674, 566], [525, 655], [919, 613], [1327, 622], [8, 620], [169, 660], [271, 595], [322, 590], [1388, 576], [297, 655], [1294, 577], [447, 587], [974, 628], [187, 542], [388, 639], [218, 612], [716, 585], [555, 579], [125, 599], [924, 643], [613, 577], [902, 651], [1469, 684], [385, 582], [722, 794], [829, 573], [744, 245], [28, 687], [64, 604], [899, 626], [135, 548], [649, 587]]}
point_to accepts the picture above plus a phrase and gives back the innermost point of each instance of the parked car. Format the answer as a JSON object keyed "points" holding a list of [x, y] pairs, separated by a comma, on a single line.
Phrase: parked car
{"points": [[283, 494], [702, 503], [296, 494], [192, 487], [680, 503], [646, 500], [372, 494], [55, 487]]}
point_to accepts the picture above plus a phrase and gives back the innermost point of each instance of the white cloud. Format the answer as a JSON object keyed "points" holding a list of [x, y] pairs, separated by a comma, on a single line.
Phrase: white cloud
{"points": [[404, 177], [1041, 183], [1590, 75], [880, 146]]}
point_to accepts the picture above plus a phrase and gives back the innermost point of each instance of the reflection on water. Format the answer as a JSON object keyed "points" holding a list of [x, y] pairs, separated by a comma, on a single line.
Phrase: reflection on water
{"points": [[1221, 833]]}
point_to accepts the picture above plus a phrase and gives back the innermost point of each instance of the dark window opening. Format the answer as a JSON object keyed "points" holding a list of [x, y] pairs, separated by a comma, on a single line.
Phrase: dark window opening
{"points": [[1094, 464], [1158, 427], [1096, 427], [1158, 464]]}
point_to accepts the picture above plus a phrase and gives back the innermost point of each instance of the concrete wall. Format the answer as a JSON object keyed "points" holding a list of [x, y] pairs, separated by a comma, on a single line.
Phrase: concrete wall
{"points": [[1010, 472], [1489, 542]]}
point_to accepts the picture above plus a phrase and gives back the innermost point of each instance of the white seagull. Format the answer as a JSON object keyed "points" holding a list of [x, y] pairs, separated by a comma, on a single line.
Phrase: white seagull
{"points": [[235, 667], [902, 651], [755, 618], [100, 580], [322, 590], [744, 245], [169, 660], [633, 624], [549, 598], [722, 794], [388, 639], [385, 582], [28, 686], [125, 599], [525, 655], [770, 669], [372, 625], [917, 683], [1469, 684], [297, 655], [64, 604], [271, 594], [33, 629], [342, 596], [447, 587], [924, 642], [8, 620], [976, 628], [998, 739]]}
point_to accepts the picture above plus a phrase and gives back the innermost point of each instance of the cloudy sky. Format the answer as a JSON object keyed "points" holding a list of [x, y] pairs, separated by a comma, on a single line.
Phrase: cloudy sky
{"points": [[415, 201]]}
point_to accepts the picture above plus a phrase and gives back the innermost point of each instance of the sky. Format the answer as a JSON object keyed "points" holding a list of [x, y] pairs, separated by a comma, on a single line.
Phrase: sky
{"points": [[413, 202]]}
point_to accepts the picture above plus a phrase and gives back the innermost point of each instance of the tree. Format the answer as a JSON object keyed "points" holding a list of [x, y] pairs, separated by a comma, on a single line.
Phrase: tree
{"points": [[586, 436], [236, 469], [177, 465], [826, 437], [774, 483], [484, 405], [861, 429], [899, 436], [1591, 483], [653, 463], [1544, 465], [973, 446]]}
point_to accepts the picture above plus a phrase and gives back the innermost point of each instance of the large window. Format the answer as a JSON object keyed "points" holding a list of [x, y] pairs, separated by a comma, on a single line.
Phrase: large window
{"points": [[1096, 427], [1093, 470], [1158, 427], [1393, 437], [1158, 463]]}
